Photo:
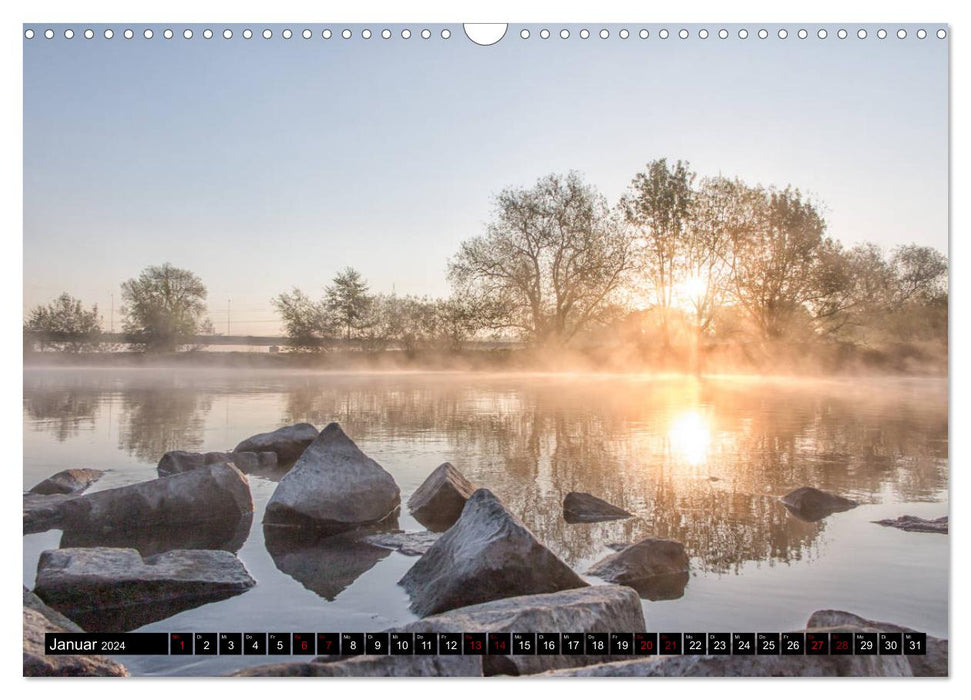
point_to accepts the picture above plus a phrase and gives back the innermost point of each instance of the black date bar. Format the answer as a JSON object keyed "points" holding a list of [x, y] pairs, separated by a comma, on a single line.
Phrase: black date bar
{"points": [[106, 643]]}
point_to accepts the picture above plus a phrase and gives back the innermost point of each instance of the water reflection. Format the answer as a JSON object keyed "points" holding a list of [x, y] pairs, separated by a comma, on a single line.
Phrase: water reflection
{"points": [[217, 534], [702, 462]]}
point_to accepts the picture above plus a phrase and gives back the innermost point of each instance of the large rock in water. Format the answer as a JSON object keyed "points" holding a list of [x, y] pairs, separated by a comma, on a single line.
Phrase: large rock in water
{"points": [[288, 442], [178, 462], [488, 554], [39, 619], [219, 492], [933, 663], [105, 589], [69, 481], [333, 487], [655, 568], [911, 523], [585, 508], [811, 504], [439, 501]]}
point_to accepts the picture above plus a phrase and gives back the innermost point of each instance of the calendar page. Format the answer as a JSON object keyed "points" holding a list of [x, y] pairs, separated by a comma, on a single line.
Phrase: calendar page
{"points": [[435, 350]]}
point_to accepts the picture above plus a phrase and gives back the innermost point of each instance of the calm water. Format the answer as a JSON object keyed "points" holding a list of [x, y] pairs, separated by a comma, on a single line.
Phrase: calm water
{"points": [[702, 462]]}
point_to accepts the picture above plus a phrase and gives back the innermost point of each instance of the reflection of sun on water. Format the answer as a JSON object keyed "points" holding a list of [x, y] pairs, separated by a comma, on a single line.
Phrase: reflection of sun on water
{"points": [[690, 437]]}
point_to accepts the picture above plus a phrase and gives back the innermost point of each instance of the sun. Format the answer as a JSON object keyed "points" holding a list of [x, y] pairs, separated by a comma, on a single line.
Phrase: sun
{"points": [[689, 293]]}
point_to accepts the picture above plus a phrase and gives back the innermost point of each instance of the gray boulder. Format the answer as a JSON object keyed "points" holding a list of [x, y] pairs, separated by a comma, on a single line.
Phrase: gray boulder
{"points": [[218, 492], [439, 501], [590, 609], [655, 568], [933, 663], [288, 442], [178, 462], [586, 508], [43, 512], [229, 535], [106, 589], [374, 667], [39, 619], [69, 481], [411, 544], [811, 504], [488, 554], [333, 487], [911, 523], [743, 666]]}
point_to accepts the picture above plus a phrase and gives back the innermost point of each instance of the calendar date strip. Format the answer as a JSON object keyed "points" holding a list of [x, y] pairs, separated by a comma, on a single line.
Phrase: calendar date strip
{"points": [[486, 643]]}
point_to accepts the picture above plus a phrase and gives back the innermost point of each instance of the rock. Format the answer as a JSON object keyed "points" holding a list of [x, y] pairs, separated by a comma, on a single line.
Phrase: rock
{"points": [[655, 568], [69, 481], [288, 442], [42, 512], [933, 663], [585, 508], [411, 544], [439, 501], [333, 487], [178, 462], [39, 619], [216, 493], [488, 554], [105, 589], [214, 534], [618, 546], [911, 523], [811, 504], [744, 666], [590, 609], [375, 666], [325, 565]]}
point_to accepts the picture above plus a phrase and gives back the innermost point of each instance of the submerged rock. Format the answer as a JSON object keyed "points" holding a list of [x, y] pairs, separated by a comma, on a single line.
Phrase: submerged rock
{"points": [[411, 544], [488, 554], [40, 619], [933, 663], [218, 492], [325, 565], [374, 667], [106, 589], [811, 504], [287, 442], [590, 609], [333, 487], [586, 508], [178, 462], [69, 481], [911, 523], [439, 501], [655, 568], [744, 666]]}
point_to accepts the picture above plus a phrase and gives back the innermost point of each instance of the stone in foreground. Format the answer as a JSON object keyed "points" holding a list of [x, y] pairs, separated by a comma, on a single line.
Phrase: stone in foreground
{"points": [[288, 442], [411, 544], [655, 568], [911, 523], [811, 504], [39, 619], [439, 501], [743, 666], [43, 512], [69, 481], [375, 667], [178, 462], [219, 492], [333, 487], [488, 554], [105, 589], [586, 508], [933, 663]]}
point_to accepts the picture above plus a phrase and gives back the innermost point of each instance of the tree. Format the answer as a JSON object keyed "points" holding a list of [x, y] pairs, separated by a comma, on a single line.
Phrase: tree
{"points": [[65, 325], [549, 262], [348, 300], [305, 321], [164, 307], [920, 272]]}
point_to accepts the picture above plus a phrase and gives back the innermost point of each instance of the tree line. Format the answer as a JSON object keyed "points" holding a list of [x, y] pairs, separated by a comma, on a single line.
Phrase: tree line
{"points": [[678, 262]]}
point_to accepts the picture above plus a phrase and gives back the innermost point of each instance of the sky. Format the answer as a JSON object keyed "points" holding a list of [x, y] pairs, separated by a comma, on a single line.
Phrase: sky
{"points": [[264, 165]]}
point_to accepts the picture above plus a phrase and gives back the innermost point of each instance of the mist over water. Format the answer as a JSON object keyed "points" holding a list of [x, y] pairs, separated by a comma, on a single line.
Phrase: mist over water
{"points": [[699, 460]]}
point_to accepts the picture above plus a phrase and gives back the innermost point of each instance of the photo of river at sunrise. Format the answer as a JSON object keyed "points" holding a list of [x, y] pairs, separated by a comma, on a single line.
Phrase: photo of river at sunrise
{"points": [[703, 461]]}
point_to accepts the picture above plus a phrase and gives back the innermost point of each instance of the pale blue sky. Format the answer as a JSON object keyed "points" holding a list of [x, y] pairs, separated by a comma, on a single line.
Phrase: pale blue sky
{"points": [[262, 164]]}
